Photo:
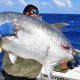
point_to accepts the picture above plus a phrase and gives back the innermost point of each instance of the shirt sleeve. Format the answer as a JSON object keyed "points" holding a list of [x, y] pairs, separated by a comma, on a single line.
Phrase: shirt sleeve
{"points": [[7, 29]]}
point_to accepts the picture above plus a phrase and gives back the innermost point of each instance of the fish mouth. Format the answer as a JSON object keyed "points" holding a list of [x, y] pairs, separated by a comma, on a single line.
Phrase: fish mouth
{"points": [[9, 37]]}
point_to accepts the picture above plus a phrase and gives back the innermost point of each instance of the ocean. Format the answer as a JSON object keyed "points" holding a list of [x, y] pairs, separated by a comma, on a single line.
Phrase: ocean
{"points": [[72, 31]]}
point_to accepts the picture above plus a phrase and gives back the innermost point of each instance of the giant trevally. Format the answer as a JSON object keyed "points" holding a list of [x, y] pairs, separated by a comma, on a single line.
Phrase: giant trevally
{"points": [[36, 39]]}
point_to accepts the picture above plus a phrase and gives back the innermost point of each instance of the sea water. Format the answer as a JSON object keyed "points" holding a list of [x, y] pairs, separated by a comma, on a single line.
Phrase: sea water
{"points": [[72, 31]]}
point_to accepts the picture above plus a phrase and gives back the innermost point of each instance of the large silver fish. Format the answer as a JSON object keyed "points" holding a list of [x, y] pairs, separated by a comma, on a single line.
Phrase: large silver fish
{"points": [[36, 40]]}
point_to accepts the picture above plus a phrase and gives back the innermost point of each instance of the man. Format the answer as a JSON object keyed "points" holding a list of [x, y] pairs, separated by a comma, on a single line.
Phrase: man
{"points": [[22, 69], [31, 10]]}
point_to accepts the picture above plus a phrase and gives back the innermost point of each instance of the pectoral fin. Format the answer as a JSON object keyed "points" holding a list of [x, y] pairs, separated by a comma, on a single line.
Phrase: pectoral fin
{"points": [[49, 70], [13, 58]]}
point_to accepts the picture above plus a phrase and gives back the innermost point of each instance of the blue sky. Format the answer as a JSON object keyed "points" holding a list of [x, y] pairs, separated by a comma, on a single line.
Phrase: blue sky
{"points": [[44, 6]]}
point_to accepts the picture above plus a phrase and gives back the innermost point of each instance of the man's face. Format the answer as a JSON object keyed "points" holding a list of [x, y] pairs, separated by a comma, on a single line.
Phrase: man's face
{"points": [[33, 12]]}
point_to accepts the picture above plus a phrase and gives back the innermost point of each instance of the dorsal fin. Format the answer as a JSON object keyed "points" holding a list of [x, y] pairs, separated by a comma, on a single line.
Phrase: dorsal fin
{"points": [[59, 25]]}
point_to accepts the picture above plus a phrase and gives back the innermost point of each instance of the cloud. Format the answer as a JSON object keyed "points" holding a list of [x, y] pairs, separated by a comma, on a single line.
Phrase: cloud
{"points": [[63, 3], [44, 3], [23, 2], [26, 2], [6, 2]]}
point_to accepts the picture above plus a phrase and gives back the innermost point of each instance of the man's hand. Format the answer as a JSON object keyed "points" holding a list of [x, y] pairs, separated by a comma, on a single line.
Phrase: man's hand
{"points": [[7, 29]]}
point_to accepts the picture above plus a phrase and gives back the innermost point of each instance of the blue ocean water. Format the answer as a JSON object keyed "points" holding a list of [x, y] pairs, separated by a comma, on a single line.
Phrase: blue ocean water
{"points": [[72, 31]]}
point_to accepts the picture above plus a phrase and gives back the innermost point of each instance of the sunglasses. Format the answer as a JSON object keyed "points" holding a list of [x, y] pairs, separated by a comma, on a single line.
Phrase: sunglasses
{"points": [[35, 11]]}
